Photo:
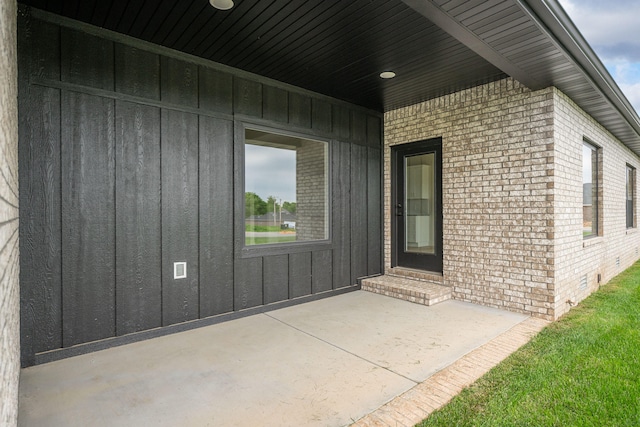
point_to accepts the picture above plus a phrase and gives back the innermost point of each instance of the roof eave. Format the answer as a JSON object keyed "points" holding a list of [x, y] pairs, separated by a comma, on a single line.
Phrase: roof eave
{"points": [[575, 69], [555, 19]]}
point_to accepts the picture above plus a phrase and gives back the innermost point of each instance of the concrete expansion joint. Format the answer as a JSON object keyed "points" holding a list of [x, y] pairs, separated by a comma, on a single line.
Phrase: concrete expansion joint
{"points": [[416, 404], [340, 348]]}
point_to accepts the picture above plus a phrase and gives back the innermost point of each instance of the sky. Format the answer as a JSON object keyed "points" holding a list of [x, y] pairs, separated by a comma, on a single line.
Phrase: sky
{"points": [[270, 172], [612, 29]]}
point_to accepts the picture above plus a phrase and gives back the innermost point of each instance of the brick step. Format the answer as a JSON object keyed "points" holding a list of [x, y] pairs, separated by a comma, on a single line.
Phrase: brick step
{"points": [[407, 289], [409, 273]]}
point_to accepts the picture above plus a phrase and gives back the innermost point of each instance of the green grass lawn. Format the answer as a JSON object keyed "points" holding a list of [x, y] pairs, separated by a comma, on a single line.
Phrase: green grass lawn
{"points": [[583, 370], [261, 228]]}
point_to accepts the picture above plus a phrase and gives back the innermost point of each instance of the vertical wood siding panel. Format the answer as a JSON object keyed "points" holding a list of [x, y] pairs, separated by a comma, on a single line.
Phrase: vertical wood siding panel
{"points": [[321, 115], [299, 274], [359, 211], [248, 272], [299, 110], [276, 278], [138, 225], [40, 222], [341, 207], [216, 91], [216, 216], [39, 195], [88, 218], [137, 72], [341, 125], [374, 209], [374, 132], [87, 60], [247, 97], [179, 82], [44, 50], [275, 104], [127, 206], [358, 127], [179, 215], [248, 283], [28, 316], [321, 271]]}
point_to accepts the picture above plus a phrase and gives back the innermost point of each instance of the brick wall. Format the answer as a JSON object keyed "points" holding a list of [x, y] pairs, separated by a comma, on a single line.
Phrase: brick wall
{"points": [[9, 290], [616, 247], [497, 191], [311, 191]]}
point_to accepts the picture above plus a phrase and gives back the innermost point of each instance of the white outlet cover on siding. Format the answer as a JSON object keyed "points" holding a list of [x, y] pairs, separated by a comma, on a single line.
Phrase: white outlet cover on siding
{"points": [[179, 270]]}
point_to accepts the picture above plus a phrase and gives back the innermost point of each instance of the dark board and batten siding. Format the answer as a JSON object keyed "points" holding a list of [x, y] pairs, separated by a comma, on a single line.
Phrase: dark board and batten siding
{"points": [[216, 234], [88, 218], [127, 154], [138, 211]]}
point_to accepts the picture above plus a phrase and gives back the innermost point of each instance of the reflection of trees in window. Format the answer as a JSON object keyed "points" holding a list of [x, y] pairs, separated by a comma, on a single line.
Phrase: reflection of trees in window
{"points": [[289, 207], [253, 205]]}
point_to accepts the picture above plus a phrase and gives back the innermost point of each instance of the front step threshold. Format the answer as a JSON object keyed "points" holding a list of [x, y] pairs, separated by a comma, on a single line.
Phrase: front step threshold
{"points": [[407, 289]]}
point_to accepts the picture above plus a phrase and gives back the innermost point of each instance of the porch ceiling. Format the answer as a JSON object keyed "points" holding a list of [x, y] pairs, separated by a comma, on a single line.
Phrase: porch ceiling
{"points": [[334, 47], [338, 48]]}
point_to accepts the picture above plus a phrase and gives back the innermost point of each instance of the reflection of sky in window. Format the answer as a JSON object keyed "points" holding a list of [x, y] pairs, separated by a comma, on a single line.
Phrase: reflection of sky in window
{"points": [[587, 174], [270, 172]]}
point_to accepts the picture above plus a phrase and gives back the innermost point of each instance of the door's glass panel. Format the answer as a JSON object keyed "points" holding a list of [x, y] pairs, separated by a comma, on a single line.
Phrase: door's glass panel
{"points": [[419, 203]]}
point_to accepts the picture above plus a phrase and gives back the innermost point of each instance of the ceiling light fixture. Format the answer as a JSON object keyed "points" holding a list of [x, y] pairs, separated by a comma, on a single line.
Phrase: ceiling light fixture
{"points": [[387, 74], [221, 4]]}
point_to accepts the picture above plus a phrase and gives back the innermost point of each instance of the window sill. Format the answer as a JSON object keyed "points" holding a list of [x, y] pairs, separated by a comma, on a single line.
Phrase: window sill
{"points": [[254, 251], [632, 230], [592, 241]]}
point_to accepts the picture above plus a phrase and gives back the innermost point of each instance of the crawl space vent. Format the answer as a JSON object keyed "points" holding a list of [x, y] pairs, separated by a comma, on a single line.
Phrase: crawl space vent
{"points": [[583, 282]]}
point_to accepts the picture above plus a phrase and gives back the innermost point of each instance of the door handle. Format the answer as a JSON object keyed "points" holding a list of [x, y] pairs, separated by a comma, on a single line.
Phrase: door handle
{"points": [[399, 211]]}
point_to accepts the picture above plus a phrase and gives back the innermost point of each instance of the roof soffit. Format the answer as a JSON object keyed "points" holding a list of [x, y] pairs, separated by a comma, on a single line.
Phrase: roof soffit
{"points": [[436, 47], [535, 42], [329, 47]]}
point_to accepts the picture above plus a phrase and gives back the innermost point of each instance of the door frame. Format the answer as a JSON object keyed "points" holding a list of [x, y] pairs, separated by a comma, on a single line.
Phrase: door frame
{"points": [[432, 263]]}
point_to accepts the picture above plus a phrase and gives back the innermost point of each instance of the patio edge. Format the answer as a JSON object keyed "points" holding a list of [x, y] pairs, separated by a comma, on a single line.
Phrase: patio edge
{"points": [[416, 404]]}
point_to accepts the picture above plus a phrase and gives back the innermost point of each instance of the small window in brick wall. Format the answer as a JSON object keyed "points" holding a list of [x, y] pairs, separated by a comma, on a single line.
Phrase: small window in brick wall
{"points": [[590, 190], [630, 197]]}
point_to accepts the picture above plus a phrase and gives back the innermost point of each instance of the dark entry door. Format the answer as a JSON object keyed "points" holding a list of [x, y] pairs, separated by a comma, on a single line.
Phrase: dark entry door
{"points": [[417, 205]]}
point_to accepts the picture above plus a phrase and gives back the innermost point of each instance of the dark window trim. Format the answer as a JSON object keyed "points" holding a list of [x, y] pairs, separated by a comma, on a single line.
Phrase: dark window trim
{"points": [[630, 170], [597, 229], [243, 251]]}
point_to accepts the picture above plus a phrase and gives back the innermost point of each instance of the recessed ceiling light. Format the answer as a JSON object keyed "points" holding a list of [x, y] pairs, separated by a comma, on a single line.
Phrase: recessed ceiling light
{"points": [[221, 4], [387, 74]]}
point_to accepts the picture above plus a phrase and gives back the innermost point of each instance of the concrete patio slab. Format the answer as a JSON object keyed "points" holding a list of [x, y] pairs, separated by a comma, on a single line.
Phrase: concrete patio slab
{"points": [[328, 363], [405, 338]]}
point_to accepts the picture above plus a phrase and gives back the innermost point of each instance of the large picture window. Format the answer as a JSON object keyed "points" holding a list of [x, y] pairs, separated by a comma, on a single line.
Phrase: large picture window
{"points": [[590, 190], [286, 188]]}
